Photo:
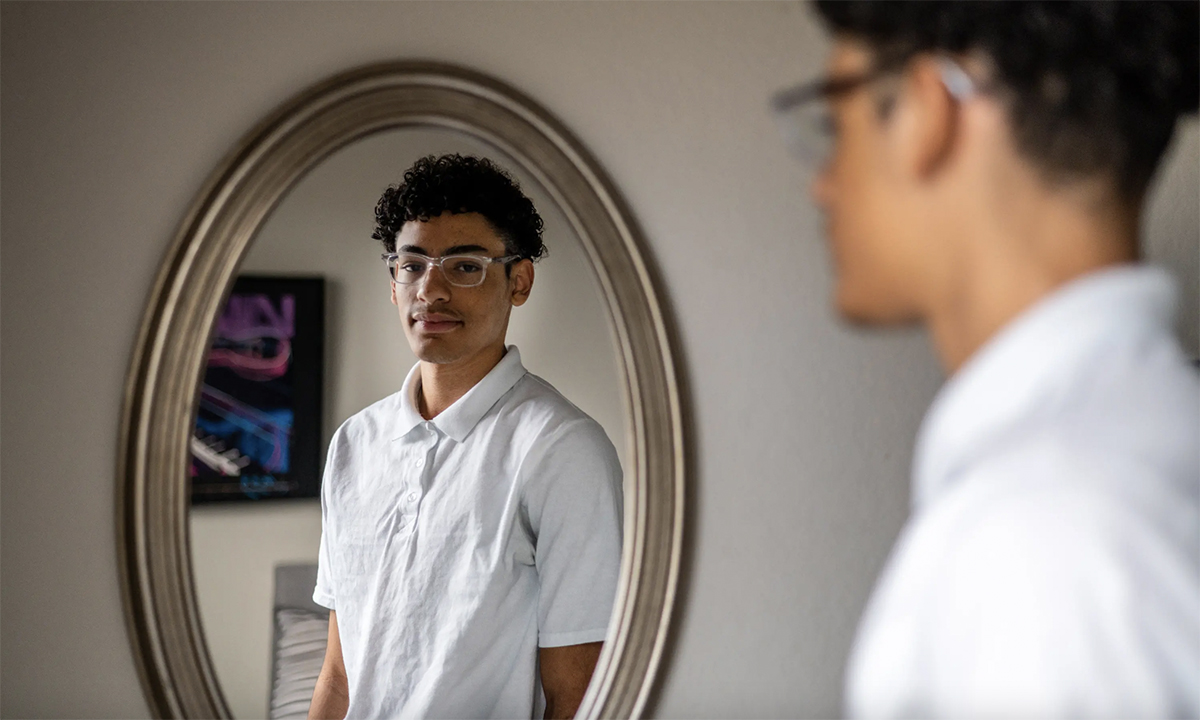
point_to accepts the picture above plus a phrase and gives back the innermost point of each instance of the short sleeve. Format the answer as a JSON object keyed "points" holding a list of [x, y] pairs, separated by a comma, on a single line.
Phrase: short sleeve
{"points": [[573, 501], [323, 593]]}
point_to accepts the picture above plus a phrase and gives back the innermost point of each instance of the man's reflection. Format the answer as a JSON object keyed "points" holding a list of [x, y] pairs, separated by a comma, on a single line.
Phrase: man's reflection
{"points": [[471, 523]]}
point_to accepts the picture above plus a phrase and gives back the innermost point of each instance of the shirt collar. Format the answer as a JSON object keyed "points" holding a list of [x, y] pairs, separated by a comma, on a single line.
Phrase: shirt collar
{"points": [[459, 419], [1032, 362]]}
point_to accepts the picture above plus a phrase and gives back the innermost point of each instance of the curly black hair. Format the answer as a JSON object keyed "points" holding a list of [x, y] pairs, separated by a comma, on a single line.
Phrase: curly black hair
{"points": [[1092, 88], [461, 184]]}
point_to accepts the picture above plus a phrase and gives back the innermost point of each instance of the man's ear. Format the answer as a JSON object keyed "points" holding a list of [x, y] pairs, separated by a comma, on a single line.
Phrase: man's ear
{"points": [[521, 281], [395, 300], [928, 119]]}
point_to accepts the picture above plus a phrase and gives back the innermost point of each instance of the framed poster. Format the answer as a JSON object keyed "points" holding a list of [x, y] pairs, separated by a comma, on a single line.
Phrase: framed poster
{"points": [[258, 425]]}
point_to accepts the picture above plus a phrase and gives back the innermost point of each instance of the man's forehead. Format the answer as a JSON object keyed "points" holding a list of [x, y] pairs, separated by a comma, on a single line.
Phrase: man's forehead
{"points": [[449, 231], [848, 57]]}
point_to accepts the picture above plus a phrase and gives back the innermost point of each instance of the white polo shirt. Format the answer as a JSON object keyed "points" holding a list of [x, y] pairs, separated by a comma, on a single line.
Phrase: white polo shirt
{"points": [[452, 549], [1051, 566]]}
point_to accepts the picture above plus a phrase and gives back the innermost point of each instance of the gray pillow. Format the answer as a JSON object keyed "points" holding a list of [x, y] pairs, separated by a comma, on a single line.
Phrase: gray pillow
{"points": [[300, 639]]}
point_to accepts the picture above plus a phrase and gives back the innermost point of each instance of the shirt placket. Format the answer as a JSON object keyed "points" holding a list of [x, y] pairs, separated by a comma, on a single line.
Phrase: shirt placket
{"points": [[418, 460]]}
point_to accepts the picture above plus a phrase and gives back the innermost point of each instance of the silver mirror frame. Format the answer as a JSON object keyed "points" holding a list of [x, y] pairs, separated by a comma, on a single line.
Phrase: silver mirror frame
{"points": [[198, 272]]}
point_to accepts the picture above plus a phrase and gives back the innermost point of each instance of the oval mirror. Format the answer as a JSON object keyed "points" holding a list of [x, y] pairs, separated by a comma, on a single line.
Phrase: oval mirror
{"points": [[273, 289]]}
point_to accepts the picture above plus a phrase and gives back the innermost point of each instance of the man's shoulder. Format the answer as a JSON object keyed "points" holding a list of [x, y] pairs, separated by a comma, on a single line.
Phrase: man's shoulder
{"points": [[1049, 532], [1051, 470], [534, 398], [1017, 569], [372, 423], [538, 412], [1125, 442], [1050, 500]]}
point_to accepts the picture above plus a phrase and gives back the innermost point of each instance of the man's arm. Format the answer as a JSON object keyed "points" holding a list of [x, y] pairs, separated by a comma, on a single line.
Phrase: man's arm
{"points": [[331, 697], [566, 672], [573, 498]]}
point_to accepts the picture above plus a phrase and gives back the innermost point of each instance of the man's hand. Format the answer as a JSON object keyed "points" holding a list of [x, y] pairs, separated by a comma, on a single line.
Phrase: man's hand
{"points": [[331, 697], [566, 672]]}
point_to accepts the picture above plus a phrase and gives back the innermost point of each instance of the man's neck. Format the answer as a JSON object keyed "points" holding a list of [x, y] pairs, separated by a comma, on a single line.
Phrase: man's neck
{"points": [[443, 384], [1005, 270]]}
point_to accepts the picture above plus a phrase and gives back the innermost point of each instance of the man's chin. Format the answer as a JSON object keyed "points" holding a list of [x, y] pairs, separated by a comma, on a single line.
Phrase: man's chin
{"points": [[871, 313], [435, 350]]}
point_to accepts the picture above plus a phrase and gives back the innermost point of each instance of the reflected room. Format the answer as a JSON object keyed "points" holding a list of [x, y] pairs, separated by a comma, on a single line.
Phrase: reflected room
{"points": [[308, 338]]}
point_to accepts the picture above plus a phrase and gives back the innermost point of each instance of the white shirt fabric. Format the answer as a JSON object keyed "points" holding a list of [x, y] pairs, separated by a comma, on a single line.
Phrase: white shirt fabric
{"points": [[452, 549], [1051, 565]]}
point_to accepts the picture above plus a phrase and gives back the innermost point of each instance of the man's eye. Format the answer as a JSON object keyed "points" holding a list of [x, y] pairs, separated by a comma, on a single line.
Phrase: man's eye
{"points": [[468, 267], [412, 267]]}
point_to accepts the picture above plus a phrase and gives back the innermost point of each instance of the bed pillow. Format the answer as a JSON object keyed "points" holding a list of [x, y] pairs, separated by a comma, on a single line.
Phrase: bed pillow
{"points": [[300, 639]]}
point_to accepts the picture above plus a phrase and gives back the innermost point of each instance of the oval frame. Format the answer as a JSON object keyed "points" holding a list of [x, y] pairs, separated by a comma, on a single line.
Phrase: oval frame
{"points": [[198, 272]]}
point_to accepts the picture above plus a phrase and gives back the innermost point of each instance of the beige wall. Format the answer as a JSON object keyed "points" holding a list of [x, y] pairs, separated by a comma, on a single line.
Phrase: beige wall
{"points": [[323, 227], [113, 115]]}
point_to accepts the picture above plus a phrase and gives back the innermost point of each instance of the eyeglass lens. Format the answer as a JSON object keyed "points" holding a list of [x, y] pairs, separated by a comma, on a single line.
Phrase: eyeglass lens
{"points": [[808, 131], [463, 271]]}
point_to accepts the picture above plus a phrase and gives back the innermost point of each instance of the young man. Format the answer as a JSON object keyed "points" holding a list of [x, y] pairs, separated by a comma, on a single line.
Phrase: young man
{"points": [[471, 523], [988, 174]]}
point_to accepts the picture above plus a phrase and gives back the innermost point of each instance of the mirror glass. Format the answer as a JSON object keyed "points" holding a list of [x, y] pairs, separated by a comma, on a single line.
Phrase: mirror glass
{"points": [[250, 556]]}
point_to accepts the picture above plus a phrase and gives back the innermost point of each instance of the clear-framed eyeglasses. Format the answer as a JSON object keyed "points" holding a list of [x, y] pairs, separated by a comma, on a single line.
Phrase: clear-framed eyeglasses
{"points": [[806, 121], [459, 270]]}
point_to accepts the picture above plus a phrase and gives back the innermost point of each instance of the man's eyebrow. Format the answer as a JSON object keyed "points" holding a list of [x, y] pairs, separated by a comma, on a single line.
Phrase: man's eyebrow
{"points": [[456, 250], [459, 249]]}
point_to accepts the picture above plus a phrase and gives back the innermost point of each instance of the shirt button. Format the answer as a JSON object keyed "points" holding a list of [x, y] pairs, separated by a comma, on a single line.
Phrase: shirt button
{"points": [[412, 497]]}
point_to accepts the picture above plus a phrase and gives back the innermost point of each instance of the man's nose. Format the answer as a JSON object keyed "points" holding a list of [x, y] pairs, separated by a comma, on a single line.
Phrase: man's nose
{"points": [[433, 285]]}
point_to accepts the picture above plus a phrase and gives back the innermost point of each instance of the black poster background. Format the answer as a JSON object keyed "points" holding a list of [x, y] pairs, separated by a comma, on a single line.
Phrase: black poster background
{"points": [[258, 424]]}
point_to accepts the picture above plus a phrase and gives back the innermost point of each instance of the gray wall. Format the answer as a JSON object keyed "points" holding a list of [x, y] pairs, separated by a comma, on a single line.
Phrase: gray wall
{"points": [[113, 115]]}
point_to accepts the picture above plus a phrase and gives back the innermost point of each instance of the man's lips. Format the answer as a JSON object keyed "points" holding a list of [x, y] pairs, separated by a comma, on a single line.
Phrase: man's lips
{"points": [[435, 323]]}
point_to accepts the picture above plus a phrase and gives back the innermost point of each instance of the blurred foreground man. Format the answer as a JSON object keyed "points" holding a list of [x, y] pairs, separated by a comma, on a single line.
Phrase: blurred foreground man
{"points": [[987, 175]]}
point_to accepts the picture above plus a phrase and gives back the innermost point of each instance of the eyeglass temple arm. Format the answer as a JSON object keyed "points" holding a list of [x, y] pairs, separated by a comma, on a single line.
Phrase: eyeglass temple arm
{"points": [[957, 80]]}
